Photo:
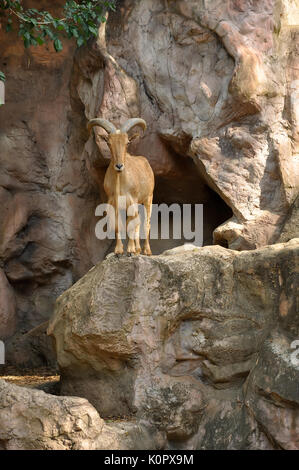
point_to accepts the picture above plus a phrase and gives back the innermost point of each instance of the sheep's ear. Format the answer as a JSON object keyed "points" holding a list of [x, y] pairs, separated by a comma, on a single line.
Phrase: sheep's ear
{"points": [[133, 137]]}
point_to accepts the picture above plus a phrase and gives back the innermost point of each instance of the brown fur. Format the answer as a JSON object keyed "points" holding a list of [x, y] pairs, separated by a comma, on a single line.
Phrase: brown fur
{"points": [[136, 182]]}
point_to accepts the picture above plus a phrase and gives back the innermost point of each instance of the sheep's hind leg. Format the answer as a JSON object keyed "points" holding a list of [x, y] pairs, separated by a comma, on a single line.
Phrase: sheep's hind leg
{"points": [[137, 234], [137, 239]]}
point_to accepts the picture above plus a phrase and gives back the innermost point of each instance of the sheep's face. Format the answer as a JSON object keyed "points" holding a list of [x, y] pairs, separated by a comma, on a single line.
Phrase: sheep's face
{"points": [[118, 146]]}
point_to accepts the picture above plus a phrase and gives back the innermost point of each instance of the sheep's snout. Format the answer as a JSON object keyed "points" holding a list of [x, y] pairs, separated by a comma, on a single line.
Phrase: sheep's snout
{"points": [[119, 167]]}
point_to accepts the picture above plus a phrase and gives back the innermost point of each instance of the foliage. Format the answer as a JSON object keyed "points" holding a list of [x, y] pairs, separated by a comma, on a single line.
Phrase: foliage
{"points": [[80, 20]]}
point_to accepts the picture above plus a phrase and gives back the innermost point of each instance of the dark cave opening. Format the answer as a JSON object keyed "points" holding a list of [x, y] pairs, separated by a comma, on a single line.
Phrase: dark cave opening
{"points": [[189, 188]]}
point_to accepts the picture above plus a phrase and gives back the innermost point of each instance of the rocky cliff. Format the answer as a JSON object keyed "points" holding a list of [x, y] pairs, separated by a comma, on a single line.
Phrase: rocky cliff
{"points": [[217, 86], [192, 349], [217, 83]]}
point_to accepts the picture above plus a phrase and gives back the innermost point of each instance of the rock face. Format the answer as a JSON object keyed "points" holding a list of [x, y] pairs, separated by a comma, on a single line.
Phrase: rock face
{"points": [[194, 346], [217, 84], [32, 349], [215, 81], [291, 226], [33, 420], [197, 343], [7, 307], [35, 241]]}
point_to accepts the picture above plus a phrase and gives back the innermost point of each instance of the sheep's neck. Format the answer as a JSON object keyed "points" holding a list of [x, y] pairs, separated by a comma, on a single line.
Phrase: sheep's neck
{"points": [[117, 184], [117, 194]]}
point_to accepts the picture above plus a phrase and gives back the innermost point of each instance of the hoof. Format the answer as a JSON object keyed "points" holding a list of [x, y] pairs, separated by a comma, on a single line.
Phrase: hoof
{"points": [[147, 250]]}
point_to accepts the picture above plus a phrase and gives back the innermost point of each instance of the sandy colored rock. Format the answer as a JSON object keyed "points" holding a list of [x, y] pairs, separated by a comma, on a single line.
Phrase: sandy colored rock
{"points": [[34, 420], [175, 341], [217, 84], [208, 91], [273, 398], [183, 343]]}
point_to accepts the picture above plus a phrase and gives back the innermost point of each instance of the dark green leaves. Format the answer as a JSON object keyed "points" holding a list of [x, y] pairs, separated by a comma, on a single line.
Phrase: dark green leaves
{"points": [[80, 20], [39, 41], [93, 30], [80, 41], [57, 45]]}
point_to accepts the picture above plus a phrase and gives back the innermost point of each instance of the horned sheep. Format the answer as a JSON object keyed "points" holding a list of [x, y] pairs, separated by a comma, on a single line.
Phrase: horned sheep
{"points": [[129, 176]]}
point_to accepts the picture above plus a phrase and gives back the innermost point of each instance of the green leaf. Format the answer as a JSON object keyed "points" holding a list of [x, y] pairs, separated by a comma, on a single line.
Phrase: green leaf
{"points": [[35, 26], [80, 41], [93, 30], [74, 32], [58, 45], [47, 31], [27, 43], [33, 41], [2, 77]]}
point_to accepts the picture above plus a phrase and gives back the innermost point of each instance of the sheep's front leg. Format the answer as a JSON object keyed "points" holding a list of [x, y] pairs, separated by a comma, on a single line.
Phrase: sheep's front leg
{"points": [[148, 208], [133, 228], [119, 248], [131, 249]]}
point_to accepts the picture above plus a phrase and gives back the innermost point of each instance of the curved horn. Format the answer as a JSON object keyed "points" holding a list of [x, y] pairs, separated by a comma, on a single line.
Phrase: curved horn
{"points": [[132, 123], [108, 126]]}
